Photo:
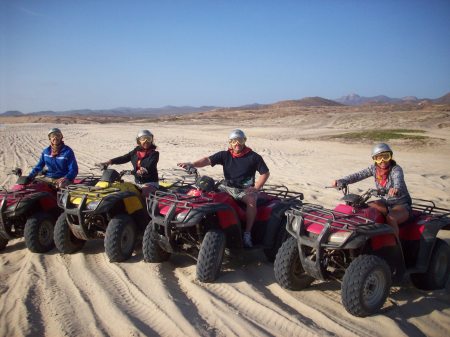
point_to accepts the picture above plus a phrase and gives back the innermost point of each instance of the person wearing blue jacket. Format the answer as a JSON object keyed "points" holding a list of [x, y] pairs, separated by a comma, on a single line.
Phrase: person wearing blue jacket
{"points": [[62, 167]]}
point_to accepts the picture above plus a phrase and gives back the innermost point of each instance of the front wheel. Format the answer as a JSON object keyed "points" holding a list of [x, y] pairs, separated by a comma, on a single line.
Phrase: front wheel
{"points": [[38, 232], [65, 241], [120, 238], [365, 285], [288, 268], [151, 249], [280, 237], [210, 255], [438, 271]]}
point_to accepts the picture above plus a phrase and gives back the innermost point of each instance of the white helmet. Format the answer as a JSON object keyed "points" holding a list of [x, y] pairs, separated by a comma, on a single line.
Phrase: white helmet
{"points": [[237, 133], [53, 130], [380, 148], [143, 133]]}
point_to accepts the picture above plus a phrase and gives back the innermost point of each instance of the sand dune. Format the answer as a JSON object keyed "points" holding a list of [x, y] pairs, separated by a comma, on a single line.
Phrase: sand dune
{"points": [[85, 295]]}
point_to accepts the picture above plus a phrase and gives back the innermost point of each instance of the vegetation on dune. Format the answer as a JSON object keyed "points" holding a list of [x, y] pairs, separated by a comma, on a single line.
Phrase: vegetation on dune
{"points": [[383, 135]]}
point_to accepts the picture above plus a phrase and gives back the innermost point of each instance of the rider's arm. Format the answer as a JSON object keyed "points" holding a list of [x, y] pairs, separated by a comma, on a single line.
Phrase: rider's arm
{"points": [[261, 180], [355, 177], [73, 166], [198, 163], [38, 168]]}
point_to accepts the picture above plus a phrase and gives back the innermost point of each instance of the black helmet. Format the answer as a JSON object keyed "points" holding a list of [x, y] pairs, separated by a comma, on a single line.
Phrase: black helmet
{"points": [[205, 184]]}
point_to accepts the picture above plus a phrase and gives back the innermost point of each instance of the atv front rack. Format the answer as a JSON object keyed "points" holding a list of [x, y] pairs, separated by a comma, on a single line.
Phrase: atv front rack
{"points": [[173, 203], [330, 221]]}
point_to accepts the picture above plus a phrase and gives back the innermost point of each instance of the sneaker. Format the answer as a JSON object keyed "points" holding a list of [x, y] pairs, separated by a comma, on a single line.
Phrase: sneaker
{"points": [[248, 240]]}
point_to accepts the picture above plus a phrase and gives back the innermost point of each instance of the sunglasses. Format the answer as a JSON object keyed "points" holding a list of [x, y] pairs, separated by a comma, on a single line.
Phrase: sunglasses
{"points": [[382, 157], [235, 141], [146, 139]]}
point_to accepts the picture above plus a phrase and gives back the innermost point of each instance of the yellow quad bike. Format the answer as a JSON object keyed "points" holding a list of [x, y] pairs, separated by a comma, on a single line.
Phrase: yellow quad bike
{"points": [[112, 209]]}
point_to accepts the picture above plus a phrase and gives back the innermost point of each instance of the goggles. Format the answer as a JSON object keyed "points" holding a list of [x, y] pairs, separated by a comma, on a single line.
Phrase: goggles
{"points": [[382, 157], [235, 141], [143, 139]]}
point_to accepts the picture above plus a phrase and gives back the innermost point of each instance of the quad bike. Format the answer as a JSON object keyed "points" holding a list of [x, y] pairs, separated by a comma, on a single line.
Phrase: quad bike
{"points": [[112, 209], [204, 221], [354, 245], [29, 209]]}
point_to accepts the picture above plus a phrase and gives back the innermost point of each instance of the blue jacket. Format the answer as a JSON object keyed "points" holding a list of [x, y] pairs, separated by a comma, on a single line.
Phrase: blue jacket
{"points": [[63, 165]]}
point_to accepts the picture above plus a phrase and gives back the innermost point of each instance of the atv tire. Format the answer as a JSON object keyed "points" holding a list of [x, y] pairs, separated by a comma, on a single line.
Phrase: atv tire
{"points": [[438, 270], [151, 249], [281, 236], [365, 285], [38, 232], [120, 238], [210, 256], [3, 243], [65, 241], [288, 269]]}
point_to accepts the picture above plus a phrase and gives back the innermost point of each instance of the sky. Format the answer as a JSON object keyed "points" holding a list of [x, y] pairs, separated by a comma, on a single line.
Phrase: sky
{"points": [[102, 54]]}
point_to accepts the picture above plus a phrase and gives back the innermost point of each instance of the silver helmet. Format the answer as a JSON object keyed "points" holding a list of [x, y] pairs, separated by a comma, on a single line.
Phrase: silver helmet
{"points": [[237, 133], [53, 130], [380, 148], [143, 133]]}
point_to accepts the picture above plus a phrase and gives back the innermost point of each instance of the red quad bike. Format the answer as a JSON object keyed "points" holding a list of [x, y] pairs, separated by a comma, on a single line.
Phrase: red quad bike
{"points": [[353, 245], [204, 221], [29, 209]]}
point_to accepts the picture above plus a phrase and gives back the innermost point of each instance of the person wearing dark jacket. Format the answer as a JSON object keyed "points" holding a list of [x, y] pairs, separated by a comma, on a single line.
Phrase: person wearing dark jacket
{"points": [[144, 159], [59, 159], [396, 205], [240, 164]]}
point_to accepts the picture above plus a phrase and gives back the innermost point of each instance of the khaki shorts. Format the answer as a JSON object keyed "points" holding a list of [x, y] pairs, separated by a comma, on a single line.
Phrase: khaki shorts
{"points": [[236, 193]]}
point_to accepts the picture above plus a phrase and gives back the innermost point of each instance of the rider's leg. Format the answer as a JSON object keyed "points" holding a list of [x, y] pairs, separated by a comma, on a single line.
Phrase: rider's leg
{"points": [[396, 216], [379, 205], [250, 201]]}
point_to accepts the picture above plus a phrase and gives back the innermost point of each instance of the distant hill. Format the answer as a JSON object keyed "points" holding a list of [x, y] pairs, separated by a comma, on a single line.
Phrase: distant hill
{"points": [[443, 100], [355, 99], [12, 113], [304, 102], [136, 112]]}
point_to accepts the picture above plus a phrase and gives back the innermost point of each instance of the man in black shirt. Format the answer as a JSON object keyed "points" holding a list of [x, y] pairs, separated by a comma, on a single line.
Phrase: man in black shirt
{"points": [[240, 164]]}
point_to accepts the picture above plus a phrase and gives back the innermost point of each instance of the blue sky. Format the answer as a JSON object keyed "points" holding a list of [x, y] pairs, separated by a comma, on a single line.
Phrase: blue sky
{"points": [[62, 55]]}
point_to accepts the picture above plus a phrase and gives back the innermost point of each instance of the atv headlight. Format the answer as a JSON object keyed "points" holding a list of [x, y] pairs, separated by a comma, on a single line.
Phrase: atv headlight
{"points": [[339, 237], [181, 216], [93, 205], [296, 223]]}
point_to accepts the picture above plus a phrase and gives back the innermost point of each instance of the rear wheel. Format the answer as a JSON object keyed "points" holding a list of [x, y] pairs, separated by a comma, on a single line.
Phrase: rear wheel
{"points": [[438, 270], [120, 238], [210, 255], [3, 243], [38, 232], [288, 269], [65, 241], [365, 285], [151, 249]]}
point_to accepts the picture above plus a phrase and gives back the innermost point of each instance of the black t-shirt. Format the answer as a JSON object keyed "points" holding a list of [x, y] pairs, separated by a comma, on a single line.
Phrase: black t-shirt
{"points": [[240, 172]]}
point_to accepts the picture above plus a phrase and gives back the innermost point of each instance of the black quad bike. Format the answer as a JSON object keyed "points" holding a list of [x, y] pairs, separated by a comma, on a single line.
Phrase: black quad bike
{"points": [[112, 209], [353, 245], [204, 221], [29, 209]]}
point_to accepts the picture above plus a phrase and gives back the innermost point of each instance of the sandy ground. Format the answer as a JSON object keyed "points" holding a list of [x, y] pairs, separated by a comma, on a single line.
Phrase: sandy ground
{"points": [[85, 295]]}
